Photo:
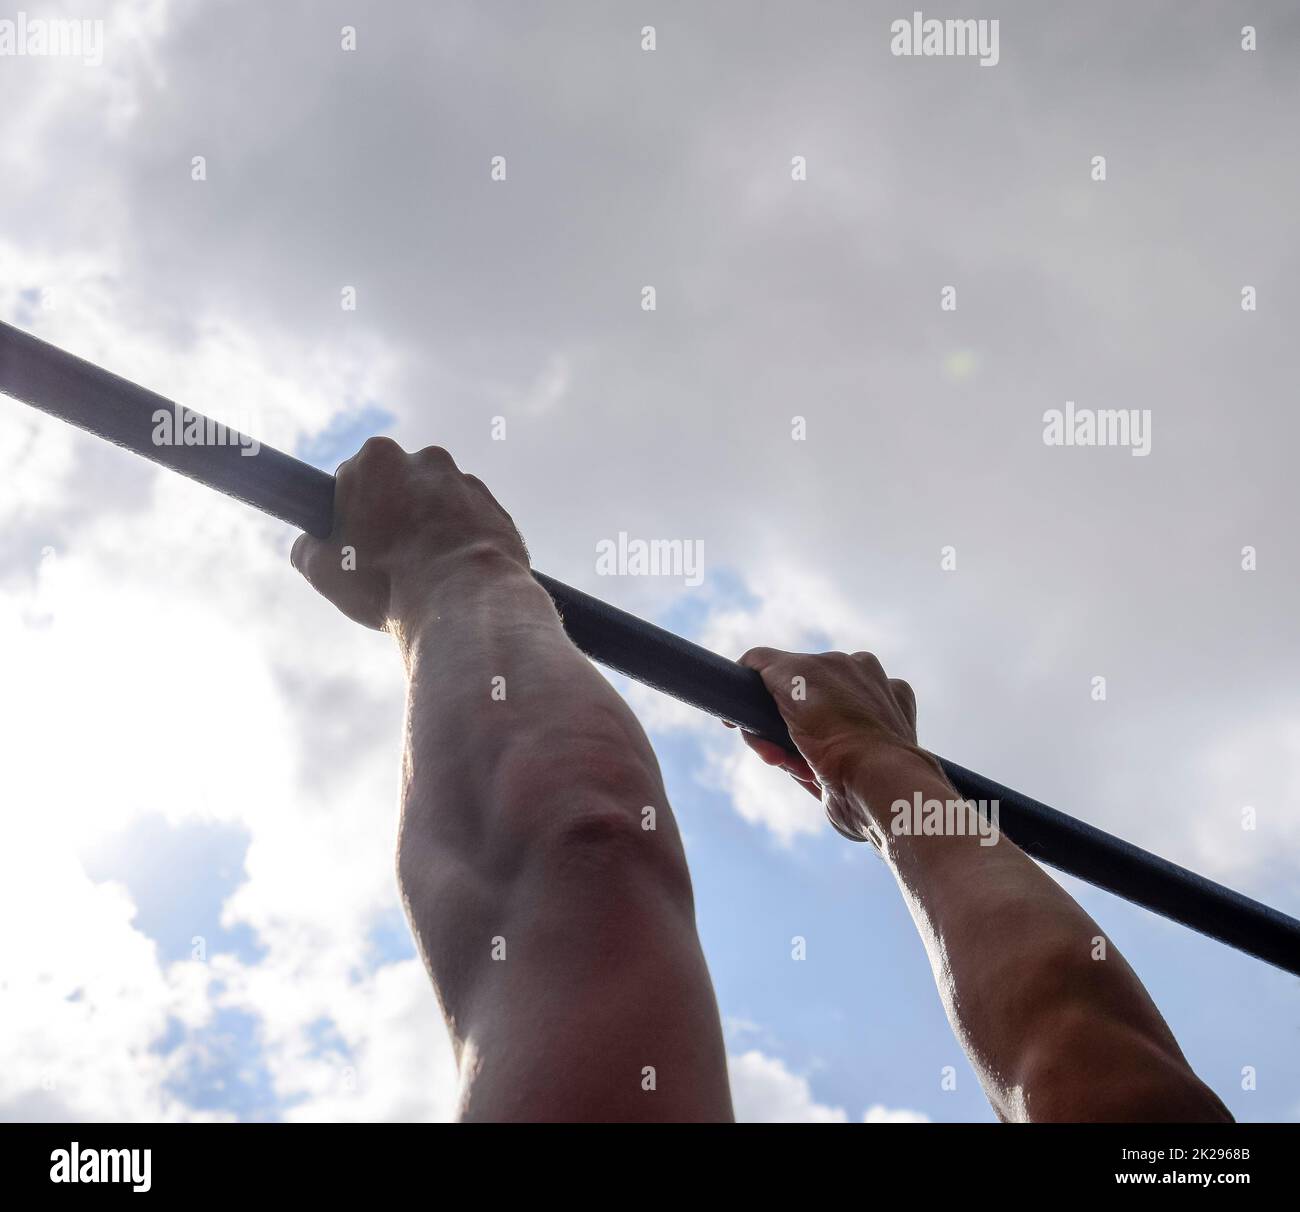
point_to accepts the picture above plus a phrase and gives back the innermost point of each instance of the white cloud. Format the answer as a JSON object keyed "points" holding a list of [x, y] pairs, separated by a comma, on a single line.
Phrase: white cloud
{"points": [[764, 1091], [759, 793], [880, 1114], [393, 1060], [798, 608], [83, 995], [163, 661]]}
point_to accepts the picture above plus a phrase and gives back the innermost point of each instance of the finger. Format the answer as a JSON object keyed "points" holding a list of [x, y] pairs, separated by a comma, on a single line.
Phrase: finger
{"points": [[768, 751], [905, 697], [775, 755], [814, 789], [795, 767]]}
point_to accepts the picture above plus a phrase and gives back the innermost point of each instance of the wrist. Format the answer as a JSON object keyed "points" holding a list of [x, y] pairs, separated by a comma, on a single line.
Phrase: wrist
{"points": [[480, 575], [883, 775]]}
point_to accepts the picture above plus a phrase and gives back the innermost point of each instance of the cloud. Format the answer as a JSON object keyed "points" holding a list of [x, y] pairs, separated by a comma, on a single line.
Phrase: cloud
{"points": [[878, 1114], [161, 660], [764, 1091], [388, 1055], [1250, 789], [84, 997], [143, 625]]}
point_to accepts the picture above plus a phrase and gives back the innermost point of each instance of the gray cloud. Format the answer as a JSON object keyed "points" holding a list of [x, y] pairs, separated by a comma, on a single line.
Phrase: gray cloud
{"points": [[779, 298]]}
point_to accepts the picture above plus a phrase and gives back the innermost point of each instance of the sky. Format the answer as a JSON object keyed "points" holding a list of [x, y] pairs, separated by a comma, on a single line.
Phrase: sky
{"points": [[198, 763]]}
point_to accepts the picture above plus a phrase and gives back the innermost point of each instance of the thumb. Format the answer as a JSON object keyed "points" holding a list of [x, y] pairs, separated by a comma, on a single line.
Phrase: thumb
{"points": [[319, 564], [760, 659], [768, 663], [332, 571], [304, 548]]}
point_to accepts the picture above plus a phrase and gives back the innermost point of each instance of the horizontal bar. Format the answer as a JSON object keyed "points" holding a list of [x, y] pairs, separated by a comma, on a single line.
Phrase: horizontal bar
{"points": [[64, 386]]}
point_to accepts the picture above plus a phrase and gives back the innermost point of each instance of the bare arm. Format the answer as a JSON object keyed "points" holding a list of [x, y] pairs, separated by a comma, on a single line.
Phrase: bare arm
{"points": [[1055, 1022], [553, 911]]}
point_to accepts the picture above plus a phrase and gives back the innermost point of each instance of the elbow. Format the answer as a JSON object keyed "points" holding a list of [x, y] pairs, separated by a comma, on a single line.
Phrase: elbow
{"points": [[599, 842], [1169, 1094], [587, 812], [1090, 1069]]}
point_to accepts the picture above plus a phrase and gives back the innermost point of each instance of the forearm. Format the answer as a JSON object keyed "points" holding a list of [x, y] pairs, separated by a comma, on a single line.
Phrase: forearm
{"points": [[1055, 1021], [543, 871], [498, 695], [539, 863]]}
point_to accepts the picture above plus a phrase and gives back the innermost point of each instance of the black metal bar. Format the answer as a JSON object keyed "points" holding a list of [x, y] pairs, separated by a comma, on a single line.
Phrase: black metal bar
{"points": [[93, 399]]}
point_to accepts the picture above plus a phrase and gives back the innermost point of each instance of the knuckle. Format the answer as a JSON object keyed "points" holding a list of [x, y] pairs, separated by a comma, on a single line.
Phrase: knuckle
{"points": [[435, 456], [380, 447], [477, 486], [374, 451], [834, 664]]}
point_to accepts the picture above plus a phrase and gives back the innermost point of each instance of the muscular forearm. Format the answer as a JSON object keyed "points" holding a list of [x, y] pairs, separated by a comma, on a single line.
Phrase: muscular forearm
{"points": [[538, 861], [543, 871], [497, 695], [1055, 1021]]}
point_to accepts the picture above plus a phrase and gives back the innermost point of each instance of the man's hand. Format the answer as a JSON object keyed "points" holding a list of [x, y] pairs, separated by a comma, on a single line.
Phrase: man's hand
{"points": [[850, 721], [403, 523], [1054, 1021]]}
